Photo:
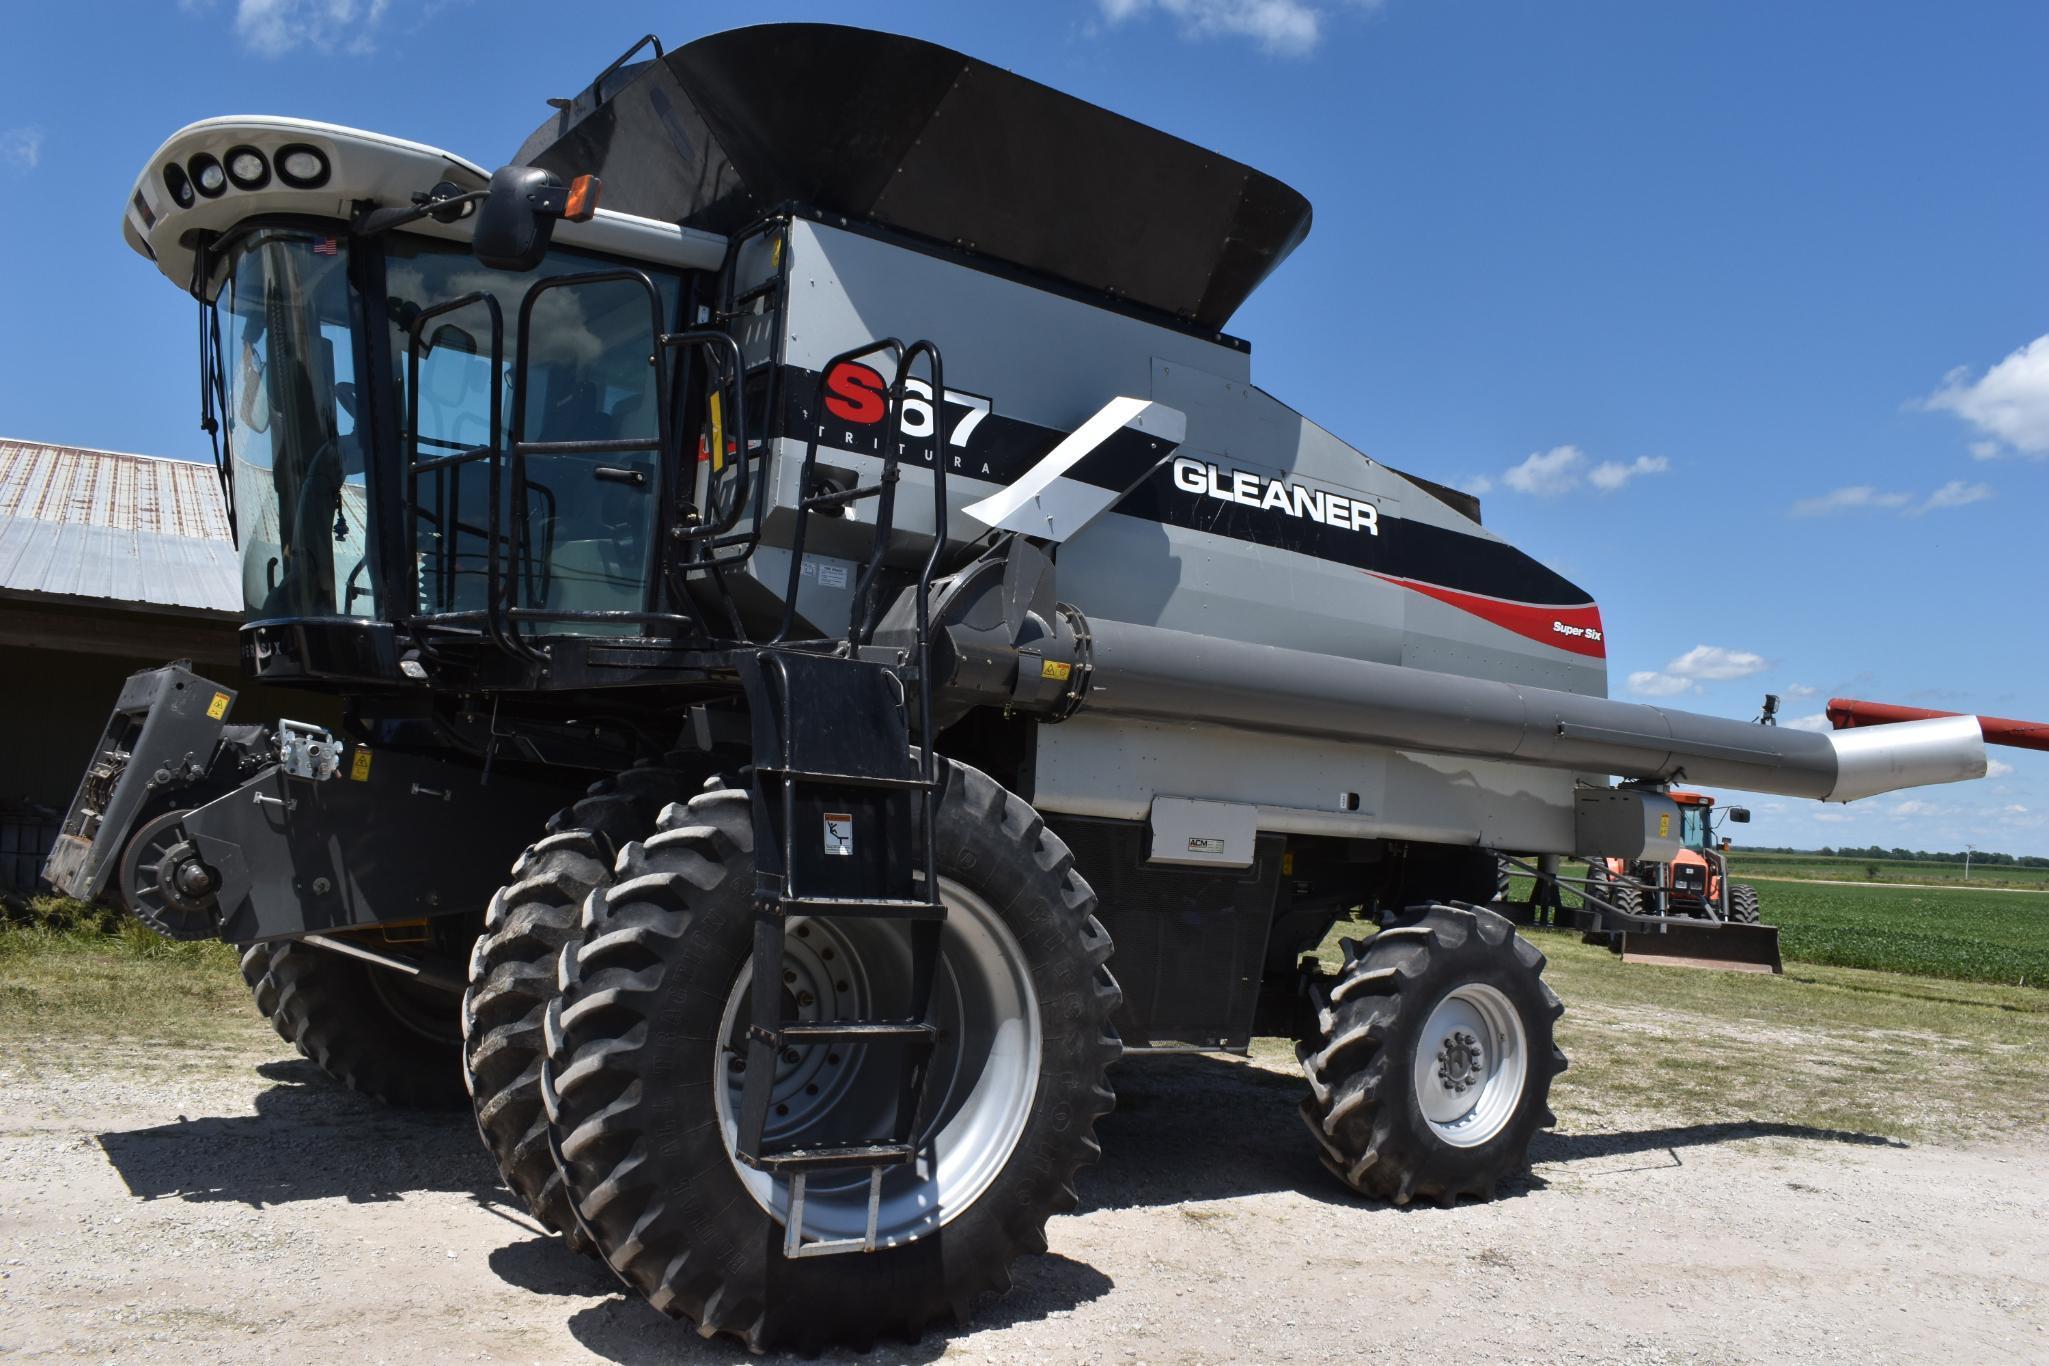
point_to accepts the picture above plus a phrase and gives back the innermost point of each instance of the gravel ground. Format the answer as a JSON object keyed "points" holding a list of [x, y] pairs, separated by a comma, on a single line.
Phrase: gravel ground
{"points": [[186, 1209]]}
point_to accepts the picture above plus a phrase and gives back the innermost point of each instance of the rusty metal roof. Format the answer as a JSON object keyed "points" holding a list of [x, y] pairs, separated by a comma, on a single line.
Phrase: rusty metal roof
{"points": [[103, 525]]}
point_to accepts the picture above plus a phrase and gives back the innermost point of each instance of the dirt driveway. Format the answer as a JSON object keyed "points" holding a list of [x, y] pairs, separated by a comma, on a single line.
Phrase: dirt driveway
{"points": [[179, 1207]]}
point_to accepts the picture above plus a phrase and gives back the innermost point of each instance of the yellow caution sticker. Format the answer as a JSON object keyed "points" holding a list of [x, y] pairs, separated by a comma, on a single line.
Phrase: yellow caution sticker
{"points": [[1664, 825], [217, 708], [359, 767], [1287, 863], [1054, 668]]}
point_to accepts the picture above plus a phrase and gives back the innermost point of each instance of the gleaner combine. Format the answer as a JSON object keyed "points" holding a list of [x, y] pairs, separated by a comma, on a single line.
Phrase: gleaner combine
{"points": [[814, 470]]}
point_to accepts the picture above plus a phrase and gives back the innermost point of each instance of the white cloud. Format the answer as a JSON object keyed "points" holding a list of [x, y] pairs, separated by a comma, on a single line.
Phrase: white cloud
{"points": [[1611, 475], [1797, 690], [272, 28], [1560, 470], [2009, 403], [1855, 498], [1998, 768], [1831, 817], [1547, 473], [1865, 498], [1955, 494], [1651, 683], [1284, 28], [1817, 721], [1716, 664], [22, 147], [1701, 664], [1478, 485], [1912, 807]]}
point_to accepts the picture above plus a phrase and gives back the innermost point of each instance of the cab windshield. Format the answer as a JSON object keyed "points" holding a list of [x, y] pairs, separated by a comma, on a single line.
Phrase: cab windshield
{"points": [[296, 458], [1693, 828]]}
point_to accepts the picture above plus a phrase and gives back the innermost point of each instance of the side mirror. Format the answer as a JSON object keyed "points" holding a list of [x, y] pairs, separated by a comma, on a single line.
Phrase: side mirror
{"points": [[517, 219], [1740, 814]]}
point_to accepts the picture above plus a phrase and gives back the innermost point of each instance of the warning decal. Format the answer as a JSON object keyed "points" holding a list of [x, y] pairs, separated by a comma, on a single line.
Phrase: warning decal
{"points": [[217, 708], [839, 833]]}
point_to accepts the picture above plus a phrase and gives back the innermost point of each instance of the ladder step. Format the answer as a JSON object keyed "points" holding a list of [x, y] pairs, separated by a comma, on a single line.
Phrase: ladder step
{"points": [[814, 1031], [887, 908], [807, 775], [835, 1155]]}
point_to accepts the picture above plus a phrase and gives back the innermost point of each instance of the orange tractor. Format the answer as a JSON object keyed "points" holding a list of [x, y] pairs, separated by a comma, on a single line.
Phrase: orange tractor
{"points": [[1695, 883], [1694, 886]]}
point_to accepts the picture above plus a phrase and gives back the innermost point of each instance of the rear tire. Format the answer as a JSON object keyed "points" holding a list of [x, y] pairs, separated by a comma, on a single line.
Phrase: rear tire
{"points": [[512, 975], [1743, 908], [372, 1029], [1431, 1062], [640, 1078]]}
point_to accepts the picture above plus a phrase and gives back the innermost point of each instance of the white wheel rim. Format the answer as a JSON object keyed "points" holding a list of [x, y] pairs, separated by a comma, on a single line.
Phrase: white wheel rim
{"points": [[983, 1082], [1472, 1060]]}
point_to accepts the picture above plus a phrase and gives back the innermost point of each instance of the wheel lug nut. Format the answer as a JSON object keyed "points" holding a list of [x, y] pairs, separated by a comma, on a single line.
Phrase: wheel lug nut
{"points": [[840, 986], [782, 1109], [833, 1058], [803, 931], [737, 1064], [811, 1090], [826, 954], [789, 974], [805, 998], [790, 1055]]}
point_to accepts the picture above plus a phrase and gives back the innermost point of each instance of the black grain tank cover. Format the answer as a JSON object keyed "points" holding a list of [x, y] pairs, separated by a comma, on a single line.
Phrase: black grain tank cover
{"points": [[912, 136]]}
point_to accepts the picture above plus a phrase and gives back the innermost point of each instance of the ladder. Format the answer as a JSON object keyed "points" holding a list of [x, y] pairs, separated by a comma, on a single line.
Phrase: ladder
{"points": [[837, 785]]}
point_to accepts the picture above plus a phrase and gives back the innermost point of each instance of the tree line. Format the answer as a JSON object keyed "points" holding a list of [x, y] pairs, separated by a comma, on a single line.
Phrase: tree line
{"points": [[1983, 857]]}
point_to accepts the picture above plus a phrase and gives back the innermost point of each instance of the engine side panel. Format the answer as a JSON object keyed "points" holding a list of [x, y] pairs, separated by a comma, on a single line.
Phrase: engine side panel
{"points": [[1263, 527]]}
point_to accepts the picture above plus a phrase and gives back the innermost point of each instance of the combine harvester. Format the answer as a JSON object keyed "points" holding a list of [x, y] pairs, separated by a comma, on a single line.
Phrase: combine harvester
{"points": [[877, 688]]}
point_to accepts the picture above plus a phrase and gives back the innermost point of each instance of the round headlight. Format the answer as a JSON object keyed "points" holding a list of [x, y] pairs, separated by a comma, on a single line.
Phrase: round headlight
{"points": [[302, 167], [177, 184], [207, 176], [247, 168]]}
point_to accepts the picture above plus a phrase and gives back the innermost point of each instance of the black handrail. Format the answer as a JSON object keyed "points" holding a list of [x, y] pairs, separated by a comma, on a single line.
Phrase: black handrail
{"points": [[711, 526], [895, 350]]}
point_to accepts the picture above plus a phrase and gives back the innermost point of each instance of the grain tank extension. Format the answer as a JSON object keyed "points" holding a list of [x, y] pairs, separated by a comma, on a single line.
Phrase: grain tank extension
{"points": [[836, 650]]}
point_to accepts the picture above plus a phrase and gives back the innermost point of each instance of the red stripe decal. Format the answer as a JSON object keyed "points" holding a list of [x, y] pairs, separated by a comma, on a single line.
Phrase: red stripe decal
{"points": [[1577, 629]]}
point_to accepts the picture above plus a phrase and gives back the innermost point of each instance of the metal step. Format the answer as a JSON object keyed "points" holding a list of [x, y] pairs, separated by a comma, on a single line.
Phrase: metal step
{"points": [[883, 908], [854, 1031], [836, 1155], [806, 775]]}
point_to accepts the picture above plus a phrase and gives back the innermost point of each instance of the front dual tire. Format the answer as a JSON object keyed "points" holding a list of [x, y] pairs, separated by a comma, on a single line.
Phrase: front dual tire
{"points": [[642, 1077]]}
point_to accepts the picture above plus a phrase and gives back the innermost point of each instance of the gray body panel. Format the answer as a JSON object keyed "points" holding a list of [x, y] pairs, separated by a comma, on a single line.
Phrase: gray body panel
{"points": [[1053, 361]]}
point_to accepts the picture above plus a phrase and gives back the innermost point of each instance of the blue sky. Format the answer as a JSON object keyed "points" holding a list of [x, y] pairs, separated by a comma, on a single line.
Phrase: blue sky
{"points": [[1738, 312]]}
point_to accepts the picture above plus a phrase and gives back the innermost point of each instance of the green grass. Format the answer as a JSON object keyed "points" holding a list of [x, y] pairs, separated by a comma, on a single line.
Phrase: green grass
{"points": [[1886, 870], [1970, 935], [1936, 932], [72, 971]]}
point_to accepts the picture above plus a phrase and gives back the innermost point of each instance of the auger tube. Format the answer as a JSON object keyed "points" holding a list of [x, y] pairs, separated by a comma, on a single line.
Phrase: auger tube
{"points": [[1144, 671]]}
